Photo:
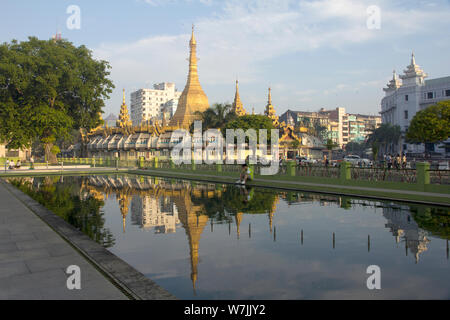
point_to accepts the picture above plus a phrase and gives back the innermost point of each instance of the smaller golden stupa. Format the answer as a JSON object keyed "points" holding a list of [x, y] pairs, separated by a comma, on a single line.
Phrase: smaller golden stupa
{"points": [[238, 107]]}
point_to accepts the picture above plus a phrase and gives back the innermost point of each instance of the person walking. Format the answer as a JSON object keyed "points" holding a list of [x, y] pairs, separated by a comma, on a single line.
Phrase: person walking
{"points": [[389, 161], [404, 161]]}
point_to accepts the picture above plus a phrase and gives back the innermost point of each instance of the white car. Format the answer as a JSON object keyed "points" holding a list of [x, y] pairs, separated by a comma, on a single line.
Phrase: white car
{"points": [[356, 160], [301, 160]]}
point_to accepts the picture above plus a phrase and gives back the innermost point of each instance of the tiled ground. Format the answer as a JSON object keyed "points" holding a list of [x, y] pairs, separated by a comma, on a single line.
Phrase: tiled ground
{"points": [[33, 259]]}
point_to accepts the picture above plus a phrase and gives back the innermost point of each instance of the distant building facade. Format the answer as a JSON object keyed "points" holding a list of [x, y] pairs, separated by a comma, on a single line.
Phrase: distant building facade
{"points": [[152, 104], [408, 94], [23, 154], [341, 127]]}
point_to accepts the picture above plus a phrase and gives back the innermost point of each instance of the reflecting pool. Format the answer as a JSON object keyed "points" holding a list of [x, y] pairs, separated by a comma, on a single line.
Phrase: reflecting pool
{"points": [[215, 241]]}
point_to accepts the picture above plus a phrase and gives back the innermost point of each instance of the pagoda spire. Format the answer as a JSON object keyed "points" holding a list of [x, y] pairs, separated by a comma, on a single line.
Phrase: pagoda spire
{"points": [[124, 117], [238, 107], [193, 98], [270, 110]]}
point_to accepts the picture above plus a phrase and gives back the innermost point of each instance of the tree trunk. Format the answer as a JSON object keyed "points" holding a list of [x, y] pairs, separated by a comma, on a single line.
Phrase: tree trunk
{"points": [[49, 155]]}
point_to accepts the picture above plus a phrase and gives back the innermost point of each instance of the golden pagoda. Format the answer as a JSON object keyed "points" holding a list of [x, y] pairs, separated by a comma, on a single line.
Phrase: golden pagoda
{"points": [[193, 98], [124, 117], [238, 107], [270, 111]]}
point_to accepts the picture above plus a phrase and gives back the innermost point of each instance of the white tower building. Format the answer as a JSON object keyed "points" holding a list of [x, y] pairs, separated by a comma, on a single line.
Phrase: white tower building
{"points": [[403, 99], [149, 104]]}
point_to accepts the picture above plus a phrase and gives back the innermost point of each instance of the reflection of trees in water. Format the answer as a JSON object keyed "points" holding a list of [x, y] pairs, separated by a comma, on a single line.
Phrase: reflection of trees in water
{"points": [[80, 210], [435, 220]]}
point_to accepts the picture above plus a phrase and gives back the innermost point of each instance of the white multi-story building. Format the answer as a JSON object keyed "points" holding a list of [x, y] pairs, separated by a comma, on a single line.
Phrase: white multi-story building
{"points": [[151, 104], [405, 97]]}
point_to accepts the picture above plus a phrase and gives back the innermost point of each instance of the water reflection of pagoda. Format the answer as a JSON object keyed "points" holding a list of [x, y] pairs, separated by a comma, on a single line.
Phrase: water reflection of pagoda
{"points": [[403, 226], [161, 204]]}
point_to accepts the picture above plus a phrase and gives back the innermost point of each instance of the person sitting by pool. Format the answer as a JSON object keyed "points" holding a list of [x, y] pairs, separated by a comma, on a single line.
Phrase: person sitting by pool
{"points": [[11, 165], [245, 174], [18, 164]]}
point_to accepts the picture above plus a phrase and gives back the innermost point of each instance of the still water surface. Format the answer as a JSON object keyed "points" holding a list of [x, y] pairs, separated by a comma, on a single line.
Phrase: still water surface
{"points": [[214, 241]]}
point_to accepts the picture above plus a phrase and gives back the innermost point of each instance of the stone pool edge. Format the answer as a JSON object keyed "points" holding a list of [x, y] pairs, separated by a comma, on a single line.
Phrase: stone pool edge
{"points": [[130, 281]]}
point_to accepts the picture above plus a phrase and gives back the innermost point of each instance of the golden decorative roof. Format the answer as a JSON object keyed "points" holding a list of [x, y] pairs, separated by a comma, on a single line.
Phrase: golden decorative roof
{"points": [[270, 110], [238, 107], [193, 98], [124, 117]]}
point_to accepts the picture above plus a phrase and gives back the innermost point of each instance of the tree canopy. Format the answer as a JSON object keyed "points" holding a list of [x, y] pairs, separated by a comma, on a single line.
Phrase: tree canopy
{"points": [[431, 124], [385, 135], [256, 122], [47, 89], [216, 117]]}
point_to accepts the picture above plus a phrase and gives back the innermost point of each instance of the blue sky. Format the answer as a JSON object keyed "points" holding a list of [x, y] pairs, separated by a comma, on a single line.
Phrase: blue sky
{"points": [[312, 53]]}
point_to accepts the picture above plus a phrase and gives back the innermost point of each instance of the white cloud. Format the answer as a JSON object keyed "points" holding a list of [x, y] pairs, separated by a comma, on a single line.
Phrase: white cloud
{"points": [[244, 34]]}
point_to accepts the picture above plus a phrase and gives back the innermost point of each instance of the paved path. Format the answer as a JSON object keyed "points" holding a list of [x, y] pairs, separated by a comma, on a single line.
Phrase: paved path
{"points": [[33, 259]]}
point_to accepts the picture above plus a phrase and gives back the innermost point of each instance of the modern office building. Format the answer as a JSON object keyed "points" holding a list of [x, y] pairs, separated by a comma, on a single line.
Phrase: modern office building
{"points": [[408, 94], [151, 104]]}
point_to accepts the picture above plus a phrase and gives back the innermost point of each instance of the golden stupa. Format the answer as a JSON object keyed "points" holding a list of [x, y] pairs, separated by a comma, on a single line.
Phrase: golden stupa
{"points": [[270, 110], [124, 117], [238, 107], [193, 98]]}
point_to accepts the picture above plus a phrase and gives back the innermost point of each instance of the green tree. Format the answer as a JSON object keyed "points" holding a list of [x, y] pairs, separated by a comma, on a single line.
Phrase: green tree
{"points": [[385, 136], [256, 122], [355, 147], [330, 145], [216, 117], [48, 88], [430, 125]]}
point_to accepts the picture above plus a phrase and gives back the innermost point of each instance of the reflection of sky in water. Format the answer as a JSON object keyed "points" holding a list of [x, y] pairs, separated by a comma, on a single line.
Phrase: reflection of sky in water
{"points": [[261, 268], [258, 267]]}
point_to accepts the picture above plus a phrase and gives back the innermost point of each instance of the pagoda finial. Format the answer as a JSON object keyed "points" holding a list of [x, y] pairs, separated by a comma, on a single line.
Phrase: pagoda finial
{"points": [[270, 96], [193, 42], [123, 96], [413, 59]]}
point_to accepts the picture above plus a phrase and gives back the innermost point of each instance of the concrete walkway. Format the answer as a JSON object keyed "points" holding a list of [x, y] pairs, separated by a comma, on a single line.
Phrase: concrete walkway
{"points": [[34, 258]]}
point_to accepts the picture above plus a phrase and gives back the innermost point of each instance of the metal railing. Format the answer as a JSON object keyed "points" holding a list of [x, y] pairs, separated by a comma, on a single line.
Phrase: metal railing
{"points": [[384, 174]]}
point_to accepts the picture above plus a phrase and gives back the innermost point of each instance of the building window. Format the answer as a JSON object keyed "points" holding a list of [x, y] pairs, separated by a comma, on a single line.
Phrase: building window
{"points": [[406, 98], [430, 95], [447, 93], [406, 114]]}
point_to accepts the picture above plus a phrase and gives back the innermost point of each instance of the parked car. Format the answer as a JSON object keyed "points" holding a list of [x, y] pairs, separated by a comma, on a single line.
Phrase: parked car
{"points": [[357, 160], [305, 160]]}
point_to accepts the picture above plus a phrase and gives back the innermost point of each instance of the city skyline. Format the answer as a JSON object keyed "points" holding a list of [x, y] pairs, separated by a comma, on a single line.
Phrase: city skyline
{"points": [[313, 54]]}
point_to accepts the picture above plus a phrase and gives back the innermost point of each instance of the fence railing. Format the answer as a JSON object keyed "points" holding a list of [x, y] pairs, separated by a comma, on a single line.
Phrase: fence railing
{"points": [[345, 172], [384, 174], [439, 176]]}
